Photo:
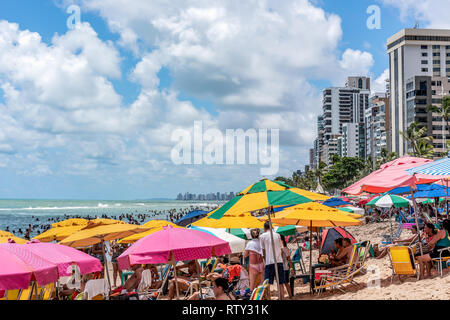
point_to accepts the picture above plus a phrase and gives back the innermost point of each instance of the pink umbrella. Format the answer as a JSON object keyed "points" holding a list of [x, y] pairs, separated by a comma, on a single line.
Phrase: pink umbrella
{"points": [[390, 176], [64, 257], [19, 266], [182, 244]]}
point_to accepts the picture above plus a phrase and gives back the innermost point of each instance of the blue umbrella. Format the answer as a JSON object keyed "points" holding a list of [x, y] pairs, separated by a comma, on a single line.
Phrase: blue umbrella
{"points": [[423, 191], [191, 217], [437, 168], [336, 202]]}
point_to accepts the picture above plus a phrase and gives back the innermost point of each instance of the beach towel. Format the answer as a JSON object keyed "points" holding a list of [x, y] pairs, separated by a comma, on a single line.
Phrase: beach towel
{"points": [[96, 287], [146, 281]]}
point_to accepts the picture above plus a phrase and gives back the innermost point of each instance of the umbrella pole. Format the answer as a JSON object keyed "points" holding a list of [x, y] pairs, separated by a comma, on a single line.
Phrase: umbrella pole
{"points": [[274, 255], [417, 220], [310, 259], [446, 200], [106, 264], [176, 279]]}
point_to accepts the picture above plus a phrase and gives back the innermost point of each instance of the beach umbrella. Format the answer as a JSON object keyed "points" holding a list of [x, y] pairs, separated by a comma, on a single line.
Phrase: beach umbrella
{"points": [[350, 212], [237, 245], [13, 239], [314, 215], [71, 222], [18, 268], [264, 194], [64, 257], [172, 245], [243, 220], [391, 175], [6, 234], [310, 195], [335, 202], [389, 201], [95, 233], [154, 225], [58, 233], [101, 221], [191, 217]]}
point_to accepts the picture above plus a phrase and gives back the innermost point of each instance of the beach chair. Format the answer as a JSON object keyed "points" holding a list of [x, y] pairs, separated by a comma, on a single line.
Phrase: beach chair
{"points": [[389, 239], [261, 292], [96, 289], [12, 294], [441, 262], [406, 219], [402, 262], [27, 294], [342, 275]]}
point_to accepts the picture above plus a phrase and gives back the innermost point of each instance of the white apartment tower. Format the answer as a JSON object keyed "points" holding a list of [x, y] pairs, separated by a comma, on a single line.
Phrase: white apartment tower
{"points": [[419, 71]]}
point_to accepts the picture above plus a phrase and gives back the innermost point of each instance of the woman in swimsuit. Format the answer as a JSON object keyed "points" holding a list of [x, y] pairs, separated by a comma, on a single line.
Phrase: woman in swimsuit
{"points": [[256, 262]]}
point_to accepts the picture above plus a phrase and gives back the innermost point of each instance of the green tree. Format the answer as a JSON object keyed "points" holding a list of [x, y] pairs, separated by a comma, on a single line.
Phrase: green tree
{"points": [[420, 144], [386, 157], [444, 111], [342, 173], [320, 171], [287, 181]]}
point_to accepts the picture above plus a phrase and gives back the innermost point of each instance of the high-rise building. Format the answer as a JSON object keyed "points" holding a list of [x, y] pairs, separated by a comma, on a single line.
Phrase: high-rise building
{"points": [[418, 58], [358, 82], [377, 122]]}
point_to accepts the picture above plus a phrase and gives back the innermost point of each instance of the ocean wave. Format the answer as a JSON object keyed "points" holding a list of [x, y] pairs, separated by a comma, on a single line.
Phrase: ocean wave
{"points": [[46, 208]]}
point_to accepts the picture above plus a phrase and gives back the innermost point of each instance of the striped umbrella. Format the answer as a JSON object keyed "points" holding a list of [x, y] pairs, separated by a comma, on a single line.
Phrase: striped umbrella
{"points": [[389, 200], [261, 195], [437, 168]]}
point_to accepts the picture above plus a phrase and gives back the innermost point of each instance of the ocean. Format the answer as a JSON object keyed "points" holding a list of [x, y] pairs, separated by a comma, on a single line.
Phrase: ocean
{"points": [[20, 213]]}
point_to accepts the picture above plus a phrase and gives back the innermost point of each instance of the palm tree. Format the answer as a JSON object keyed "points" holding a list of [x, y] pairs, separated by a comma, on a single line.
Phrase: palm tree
{"points": [[444, 111], [386, 157], [320, 171], [425, 149], [417, 140]]}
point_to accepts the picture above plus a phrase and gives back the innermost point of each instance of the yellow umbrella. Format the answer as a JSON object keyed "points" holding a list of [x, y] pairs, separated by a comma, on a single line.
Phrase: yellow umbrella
{"points": [[5, 234], [58, 234], [158, 223], [70, 222], [106, 221], [95, 233], [235, 221], [16, 239], [310, 195], [314, 215], [155, 225]]}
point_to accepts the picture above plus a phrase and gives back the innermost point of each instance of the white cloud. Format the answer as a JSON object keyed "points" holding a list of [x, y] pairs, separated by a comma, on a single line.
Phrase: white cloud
{"points": [[430, 12], [254, 60], [379, 84]]}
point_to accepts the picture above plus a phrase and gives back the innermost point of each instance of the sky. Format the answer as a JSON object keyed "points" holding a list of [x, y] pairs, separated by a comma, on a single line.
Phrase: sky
{"points": [[89, 108]]}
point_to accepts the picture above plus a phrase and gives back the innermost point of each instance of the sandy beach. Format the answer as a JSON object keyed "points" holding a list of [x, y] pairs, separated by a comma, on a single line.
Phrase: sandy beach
{"points": [[436, 288]]}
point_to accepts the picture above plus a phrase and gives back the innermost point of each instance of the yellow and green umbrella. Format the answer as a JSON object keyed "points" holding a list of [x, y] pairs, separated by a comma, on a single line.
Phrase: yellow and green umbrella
{"points": [[243, 220], [58, 233], [261, 195], [6, 234]]}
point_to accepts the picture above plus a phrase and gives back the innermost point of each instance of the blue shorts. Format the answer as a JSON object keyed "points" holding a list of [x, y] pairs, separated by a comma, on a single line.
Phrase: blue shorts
{"points": [[269, 273]]}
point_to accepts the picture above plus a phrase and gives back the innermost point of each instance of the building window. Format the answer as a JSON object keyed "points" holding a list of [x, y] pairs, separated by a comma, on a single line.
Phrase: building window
{"points": [[436, 47], [424, 69], [424, 47], [436, 54], [447, 47], [436, 61], [436, 69], [424, 54], [424, 61]]}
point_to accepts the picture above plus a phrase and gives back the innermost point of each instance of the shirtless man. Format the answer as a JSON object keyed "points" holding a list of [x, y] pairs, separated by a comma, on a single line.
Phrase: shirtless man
{"points": [[185, 280], [133, 282], [343, 255]]}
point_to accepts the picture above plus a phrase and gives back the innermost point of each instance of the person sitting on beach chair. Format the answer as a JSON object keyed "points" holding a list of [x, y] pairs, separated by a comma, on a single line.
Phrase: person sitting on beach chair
{"points": [[342, 256], [134, 280], [184, 280], [409, 242]]}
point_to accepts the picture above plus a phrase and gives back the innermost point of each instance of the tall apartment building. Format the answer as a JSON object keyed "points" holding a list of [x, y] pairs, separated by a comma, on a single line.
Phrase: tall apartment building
{"points": [[419, 71], [377, 124]]}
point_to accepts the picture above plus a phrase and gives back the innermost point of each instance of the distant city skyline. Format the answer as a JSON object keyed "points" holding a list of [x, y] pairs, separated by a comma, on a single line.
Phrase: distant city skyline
{"points": [[206, 196]]}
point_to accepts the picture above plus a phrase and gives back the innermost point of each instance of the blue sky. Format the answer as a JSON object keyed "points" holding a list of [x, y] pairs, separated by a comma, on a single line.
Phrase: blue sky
{"points": [[117, 150]]}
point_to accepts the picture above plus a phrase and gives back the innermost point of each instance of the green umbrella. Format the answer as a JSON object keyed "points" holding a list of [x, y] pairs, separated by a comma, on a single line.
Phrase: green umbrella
{"points": [[284, 230], [389, 200], [347, 210]]}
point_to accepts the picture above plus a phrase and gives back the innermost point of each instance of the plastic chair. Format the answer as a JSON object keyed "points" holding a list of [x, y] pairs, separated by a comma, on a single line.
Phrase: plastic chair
{"points": [[402, 262], [442, 262]]}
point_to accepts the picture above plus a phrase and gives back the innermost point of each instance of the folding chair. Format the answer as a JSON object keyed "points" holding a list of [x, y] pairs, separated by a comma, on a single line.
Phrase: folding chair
{"points": [[343, 274], [442, 261], [402, 262], [261, 292], [12, 294], [389, 239]]}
